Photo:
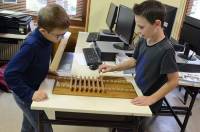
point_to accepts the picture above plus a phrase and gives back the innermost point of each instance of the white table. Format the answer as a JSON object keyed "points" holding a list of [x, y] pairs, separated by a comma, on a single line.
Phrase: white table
{"points": [[13, 36], [192, 89], [111, 108]]}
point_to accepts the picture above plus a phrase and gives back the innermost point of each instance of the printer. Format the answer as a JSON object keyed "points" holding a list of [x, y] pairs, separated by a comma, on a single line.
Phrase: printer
{"points": [[15, 22]]}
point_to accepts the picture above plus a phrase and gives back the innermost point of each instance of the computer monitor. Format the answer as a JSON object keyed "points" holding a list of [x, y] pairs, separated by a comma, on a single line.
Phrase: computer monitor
{"points": [[125, 27], [169, 19], [190, 37], [111, 18]]}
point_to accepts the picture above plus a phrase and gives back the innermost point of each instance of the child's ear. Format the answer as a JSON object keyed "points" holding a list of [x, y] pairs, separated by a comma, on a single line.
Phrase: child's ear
{"points": [[157, 23], [43, 31]]}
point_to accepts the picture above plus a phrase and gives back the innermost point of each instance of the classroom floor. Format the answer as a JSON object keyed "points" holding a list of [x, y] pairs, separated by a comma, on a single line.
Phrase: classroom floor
{"points": [[11, 117]]}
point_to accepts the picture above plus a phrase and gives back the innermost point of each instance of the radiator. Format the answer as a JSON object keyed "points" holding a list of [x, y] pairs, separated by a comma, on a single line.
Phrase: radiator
{"points": [[7, 51]]}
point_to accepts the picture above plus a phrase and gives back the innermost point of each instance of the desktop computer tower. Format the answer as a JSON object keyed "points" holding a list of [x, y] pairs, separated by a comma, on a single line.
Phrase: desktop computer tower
{"points": [[109, 38], [193, 68], [108, 52]]}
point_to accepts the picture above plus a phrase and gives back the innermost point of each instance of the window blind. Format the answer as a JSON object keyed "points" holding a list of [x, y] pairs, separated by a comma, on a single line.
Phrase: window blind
{"points": [[21, 6], [189, 6]]}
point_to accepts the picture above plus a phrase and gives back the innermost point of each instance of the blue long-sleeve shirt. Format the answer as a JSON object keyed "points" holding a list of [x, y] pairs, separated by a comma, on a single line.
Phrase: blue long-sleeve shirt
{"points": [[28, 68]]}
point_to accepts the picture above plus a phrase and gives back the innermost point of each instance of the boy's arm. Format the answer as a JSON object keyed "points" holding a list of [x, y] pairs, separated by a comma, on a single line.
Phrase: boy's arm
{"points": [[131, 62], [162, 92], [167, 87], [14, 73]]}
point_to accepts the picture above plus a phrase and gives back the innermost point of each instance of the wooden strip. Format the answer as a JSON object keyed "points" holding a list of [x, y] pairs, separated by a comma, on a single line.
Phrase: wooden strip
{"points": [[84, 84], [75, 83], [71, 83], [102, 85], [58, 55], [98, 87], [93, 85], [80, 84], [89, 80]]}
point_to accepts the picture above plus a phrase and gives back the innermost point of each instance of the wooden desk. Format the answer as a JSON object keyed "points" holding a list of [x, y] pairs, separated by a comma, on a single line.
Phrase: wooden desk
{"points": [[89, 111], [13, 36]]}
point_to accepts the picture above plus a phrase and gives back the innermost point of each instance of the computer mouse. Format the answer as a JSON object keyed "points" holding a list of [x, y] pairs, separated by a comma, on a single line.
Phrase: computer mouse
{"points": [[93, 67]]}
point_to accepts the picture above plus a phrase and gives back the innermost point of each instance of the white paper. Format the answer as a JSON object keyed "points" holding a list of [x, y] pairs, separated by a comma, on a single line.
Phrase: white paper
{"points": [[190, 77], [81, 58]]}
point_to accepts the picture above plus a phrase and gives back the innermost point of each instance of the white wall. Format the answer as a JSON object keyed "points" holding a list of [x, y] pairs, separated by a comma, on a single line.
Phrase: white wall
{"points": [[99, 10]]}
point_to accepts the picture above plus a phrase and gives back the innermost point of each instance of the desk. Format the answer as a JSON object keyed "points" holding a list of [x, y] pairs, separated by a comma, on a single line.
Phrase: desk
{"points": [[192, 88], [89, 111], [13, 36], [187, 65]]}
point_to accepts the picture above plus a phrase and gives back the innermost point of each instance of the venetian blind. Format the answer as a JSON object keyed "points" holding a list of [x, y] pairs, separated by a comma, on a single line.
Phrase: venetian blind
{"points": [[189, 6], [21, 6]]}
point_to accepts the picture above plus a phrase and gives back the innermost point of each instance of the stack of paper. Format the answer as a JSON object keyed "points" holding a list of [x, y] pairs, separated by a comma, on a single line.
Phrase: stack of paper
{"points": [[190, 77]]}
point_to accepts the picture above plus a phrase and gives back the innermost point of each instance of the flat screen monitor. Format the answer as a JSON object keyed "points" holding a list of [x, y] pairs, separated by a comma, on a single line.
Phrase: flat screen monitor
{"points": [[111, 18], [125, 27], [169, 19], [189, 36]]}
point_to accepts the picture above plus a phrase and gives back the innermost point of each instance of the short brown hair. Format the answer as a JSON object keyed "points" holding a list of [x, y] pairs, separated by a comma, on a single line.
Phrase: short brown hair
{"points": [[151, 10], [53, 16]]}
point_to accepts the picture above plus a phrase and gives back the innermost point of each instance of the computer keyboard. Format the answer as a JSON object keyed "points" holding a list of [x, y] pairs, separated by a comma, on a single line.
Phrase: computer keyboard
{"points": [[91, 56], [198, 57], [92, 37]]}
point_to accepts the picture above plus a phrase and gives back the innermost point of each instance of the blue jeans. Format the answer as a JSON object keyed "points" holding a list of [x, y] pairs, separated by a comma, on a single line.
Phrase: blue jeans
{"points": [[30, 117]]}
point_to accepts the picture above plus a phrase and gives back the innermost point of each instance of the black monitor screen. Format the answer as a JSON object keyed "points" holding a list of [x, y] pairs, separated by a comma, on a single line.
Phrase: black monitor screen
{"points": [[111, 17], [169, 19], [190, 34], [125, 24]]}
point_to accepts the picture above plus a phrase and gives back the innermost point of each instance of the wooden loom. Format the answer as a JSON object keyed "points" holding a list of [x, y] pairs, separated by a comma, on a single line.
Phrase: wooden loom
{"points": [[112, 87]]}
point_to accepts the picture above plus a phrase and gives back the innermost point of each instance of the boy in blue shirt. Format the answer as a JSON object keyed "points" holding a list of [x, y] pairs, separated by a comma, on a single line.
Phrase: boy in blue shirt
{"points": [[29, 67]]}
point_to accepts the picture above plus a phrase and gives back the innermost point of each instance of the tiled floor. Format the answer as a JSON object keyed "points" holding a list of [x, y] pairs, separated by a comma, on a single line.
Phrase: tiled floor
{"points": [[11, 117]]}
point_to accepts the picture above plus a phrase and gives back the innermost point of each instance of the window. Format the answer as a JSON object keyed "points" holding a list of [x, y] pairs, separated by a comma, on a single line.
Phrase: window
{"points": [[9, 1], [35, 5], [76, 9], [193, 8], [68, 5]]}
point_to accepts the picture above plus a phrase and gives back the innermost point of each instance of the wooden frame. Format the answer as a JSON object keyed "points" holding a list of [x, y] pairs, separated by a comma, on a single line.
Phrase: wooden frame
{"points": [[85, 16], [184, 14]]}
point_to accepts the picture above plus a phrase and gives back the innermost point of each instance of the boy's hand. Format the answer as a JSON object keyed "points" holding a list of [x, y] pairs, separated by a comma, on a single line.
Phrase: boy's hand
{"points": [[105, 68], [39, 95], [143, 101]]}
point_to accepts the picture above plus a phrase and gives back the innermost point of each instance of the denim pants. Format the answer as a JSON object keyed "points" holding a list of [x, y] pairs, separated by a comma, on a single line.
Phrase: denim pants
{"points": [[30, 117]]}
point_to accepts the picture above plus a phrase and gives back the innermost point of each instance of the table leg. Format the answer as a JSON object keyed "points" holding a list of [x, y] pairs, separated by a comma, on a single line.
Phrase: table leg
{"points": [[193, 95], [40, 123]]}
